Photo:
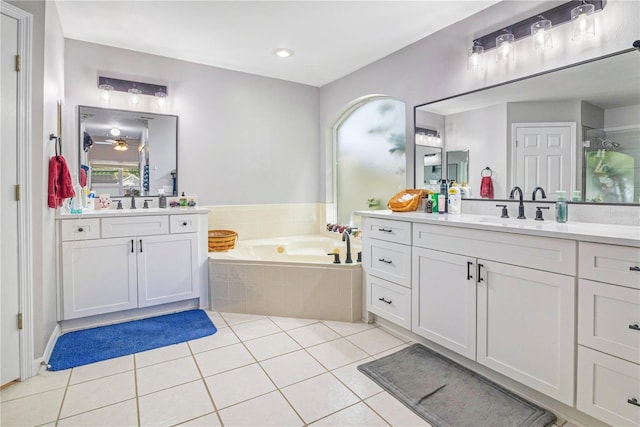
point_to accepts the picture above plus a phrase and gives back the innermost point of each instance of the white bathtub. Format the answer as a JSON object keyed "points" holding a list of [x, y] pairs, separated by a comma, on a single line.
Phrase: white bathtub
{"points": [[289, 277]]}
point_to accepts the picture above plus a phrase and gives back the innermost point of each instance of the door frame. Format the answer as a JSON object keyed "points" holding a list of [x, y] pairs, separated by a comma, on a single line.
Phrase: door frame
{"points": [[573, 142], [24, 137]]}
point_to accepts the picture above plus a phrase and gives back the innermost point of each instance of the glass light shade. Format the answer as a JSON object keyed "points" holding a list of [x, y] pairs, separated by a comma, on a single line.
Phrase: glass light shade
{"points": [[161, 100], [541, 33], [134, 96], [105, 93], [583, 24], [475, 58], [505, 49]]}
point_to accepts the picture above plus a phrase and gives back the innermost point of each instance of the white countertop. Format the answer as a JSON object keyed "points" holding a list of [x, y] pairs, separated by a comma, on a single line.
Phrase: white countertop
{"points": [[110, 213], [627, 235]]}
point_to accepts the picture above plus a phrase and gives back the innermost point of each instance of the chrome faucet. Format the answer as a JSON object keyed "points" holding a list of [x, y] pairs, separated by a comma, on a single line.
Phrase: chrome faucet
{"points": [[347, 238], [535, 190], [521, 205]]}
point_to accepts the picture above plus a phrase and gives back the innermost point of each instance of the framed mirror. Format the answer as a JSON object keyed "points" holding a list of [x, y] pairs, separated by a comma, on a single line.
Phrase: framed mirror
{"points": [[597, 102], [128, 152]]}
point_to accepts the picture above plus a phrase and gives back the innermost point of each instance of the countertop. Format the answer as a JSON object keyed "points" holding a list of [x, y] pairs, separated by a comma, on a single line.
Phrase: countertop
{"points": [[626, 235], [112, 213]]}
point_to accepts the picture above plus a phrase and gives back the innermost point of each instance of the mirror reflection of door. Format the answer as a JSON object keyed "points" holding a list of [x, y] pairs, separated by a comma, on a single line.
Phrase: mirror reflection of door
{"points": [[370, 160]]}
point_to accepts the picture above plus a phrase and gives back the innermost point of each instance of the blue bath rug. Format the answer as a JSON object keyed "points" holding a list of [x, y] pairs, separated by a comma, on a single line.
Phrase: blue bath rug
{"points": [[107, 342]]}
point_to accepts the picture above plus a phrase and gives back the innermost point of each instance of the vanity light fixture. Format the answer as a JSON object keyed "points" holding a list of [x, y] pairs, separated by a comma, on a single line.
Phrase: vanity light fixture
{"points": [[134, 89], [539, 26], [428, 137]]}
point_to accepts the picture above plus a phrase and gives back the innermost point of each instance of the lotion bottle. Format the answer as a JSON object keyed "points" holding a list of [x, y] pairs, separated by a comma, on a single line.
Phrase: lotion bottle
{"points": [[455, 201]]}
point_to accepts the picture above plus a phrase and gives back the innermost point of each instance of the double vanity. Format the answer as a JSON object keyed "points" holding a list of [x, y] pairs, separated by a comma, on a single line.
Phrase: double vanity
{"points": [[555, 307], [119, 264]]}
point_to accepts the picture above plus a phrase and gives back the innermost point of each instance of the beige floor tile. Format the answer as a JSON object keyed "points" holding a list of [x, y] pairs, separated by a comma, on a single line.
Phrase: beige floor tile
{"points": [[231, 387], [44, 381], [357, 415], [268, 410], [223, 359], [255, 329], [336, 353], [31, 410], [222, 338], [314, 334], [292, 367], [121, 414], [210, 420], [166, 374], [217, 319], [287, 323], [394, 412], [318, 397], [272, 346], [357, 382], [175, 405], [391, 351], [162, 354], [375, 340], [237, 318], [348, 328], [101, 369], [100, 392]]}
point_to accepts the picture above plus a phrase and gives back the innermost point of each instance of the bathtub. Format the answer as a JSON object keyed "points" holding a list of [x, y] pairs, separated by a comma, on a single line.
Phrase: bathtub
{"points": [[288, 277]]}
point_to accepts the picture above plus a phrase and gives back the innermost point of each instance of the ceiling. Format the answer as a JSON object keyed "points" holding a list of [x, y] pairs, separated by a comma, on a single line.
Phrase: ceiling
{"points": [[330, 38]]}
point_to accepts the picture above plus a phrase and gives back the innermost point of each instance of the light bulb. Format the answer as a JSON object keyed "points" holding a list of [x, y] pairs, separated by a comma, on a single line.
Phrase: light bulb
{"points": [[541, 35], [134, 96], [505, 50], [105, 93], [475, 60]]}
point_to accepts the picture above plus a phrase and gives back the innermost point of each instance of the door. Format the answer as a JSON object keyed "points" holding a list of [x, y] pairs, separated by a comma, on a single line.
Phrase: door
{"points": [[526, 327], [9, 264], [167, 268], [98, 276], [444, 298], [545, 156]]}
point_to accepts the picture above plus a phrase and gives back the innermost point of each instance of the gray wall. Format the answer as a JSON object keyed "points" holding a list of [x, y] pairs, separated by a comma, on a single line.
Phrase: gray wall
{"points": [[243, 139]]}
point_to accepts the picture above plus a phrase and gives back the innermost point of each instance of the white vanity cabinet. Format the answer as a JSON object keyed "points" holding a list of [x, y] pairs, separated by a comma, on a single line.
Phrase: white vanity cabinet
{"points": [[609, 333], [112, 263]]}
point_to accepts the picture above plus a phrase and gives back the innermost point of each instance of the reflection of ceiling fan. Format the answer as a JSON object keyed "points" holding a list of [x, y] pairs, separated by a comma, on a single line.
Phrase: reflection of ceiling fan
{"points": [[119, 144]]}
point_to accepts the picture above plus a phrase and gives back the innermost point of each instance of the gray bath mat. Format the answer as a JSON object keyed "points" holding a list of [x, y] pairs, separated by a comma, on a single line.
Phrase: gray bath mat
{"points": [[447, 394]]}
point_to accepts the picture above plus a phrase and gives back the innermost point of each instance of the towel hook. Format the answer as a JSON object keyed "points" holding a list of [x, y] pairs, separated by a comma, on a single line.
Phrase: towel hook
{"points": [[58, 143], [484, 170]]}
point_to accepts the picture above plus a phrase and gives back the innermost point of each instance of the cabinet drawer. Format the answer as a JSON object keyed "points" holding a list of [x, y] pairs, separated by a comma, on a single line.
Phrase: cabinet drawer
{"points": [[541, 253], [80, 229], [135, 226], [605, 384], [386, 229], [183, 223], [389, 301], [390, 261], [606, 317], [619, 265]]}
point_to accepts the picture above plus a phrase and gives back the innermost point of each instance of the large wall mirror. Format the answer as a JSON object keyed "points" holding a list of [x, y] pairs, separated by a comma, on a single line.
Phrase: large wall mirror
{"points": [[575, 129], [128, 152]]}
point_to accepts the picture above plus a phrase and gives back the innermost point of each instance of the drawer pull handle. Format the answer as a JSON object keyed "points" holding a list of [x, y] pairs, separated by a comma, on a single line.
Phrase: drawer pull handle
{"points": [[480, 279], [634, 268], [385, 230], [140, 245], [635, 326], [131, 245], [80, 229], [388, 301], [633, 401], [184, 223], [385, 261], [469, 264]]}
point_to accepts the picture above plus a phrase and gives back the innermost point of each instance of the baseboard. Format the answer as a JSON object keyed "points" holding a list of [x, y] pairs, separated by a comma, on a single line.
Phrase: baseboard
{"points": [[41, 362]]}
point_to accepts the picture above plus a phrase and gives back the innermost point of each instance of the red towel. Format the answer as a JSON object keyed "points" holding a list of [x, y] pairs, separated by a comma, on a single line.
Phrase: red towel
{"points": [[486, 188], [83, 178], [60, 186]]}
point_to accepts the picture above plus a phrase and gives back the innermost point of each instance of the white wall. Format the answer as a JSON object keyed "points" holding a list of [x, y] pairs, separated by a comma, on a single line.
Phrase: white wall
{"points": [[622, 116], [243, 139], [435, 67]]}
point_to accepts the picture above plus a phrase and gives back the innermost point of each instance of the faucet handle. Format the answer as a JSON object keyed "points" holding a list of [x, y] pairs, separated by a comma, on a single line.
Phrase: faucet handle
{"points": [[539, 212], [146, 203], [119, 203], [336, 257], [505, 212]]}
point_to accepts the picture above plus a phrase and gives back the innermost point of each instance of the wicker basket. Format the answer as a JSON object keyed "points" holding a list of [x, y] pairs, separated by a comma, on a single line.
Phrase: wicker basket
{"points": [[222, 240], [402, 203]]}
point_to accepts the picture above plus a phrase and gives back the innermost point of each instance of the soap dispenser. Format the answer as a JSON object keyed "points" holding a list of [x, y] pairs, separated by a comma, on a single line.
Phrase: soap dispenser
{"points": [[183, 200], [162, 199], [562, 209]]}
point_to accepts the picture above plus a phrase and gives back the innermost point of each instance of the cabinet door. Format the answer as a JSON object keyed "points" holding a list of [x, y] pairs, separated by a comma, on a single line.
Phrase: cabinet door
{"points": [[98, 276], [526, 327], [444, 300], [167, 268]]}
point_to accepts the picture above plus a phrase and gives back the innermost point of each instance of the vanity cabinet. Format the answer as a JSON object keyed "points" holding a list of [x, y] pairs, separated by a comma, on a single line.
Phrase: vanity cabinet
{"points": [[119, 263], [609, 333]]}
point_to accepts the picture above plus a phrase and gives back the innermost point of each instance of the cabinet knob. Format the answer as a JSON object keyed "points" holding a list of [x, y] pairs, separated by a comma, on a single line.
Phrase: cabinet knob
{"points": [[80, 229], [633, 401], [184, 224], [634, 268], [388, 301], [635, 327]]}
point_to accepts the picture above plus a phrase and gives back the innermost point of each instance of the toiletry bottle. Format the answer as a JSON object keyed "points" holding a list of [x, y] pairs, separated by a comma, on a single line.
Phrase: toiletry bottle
{"points": [[455, 202], [162, 199], [434, 200], [428, 206], [442, 203], [444, 192], [562, 209], [183, 200]]}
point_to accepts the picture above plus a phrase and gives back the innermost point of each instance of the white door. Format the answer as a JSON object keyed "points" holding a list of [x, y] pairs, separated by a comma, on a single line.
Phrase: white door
{"points": [[167, 268], [9, 279], [444, 298], [545, 157]]}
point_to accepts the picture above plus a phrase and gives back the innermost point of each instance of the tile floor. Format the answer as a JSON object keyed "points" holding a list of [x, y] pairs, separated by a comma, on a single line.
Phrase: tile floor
{"points": [[255, 371]]}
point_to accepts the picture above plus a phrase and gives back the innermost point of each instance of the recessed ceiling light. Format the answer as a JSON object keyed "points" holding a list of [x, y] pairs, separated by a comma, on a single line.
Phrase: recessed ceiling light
{"points": [[115, 132], [283, 53]]}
